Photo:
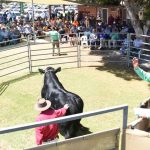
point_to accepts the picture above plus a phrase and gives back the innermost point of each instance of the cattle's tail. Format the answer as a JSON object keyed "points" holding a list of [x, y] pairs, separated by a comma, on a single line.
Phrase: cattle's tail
{"points": [[83, 128]]}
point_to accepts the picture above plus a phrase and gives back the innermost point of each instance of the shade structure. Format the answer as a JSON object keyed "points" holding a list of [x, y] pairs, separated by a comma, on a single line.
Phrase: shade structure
{"points": [[49, 2]]}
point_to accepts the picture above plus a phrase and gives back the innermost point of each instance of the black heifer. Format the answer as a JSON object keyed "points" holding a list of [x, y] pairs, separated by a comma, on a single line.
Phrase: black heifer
{"points": [[54, 91]]}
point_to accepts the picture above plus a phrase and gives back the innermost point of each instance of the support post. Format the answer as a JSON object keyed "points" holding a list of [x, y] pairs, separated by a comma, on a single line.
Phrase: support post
{"points": [[78, 51], [34, 36], [49, 8], [124, 126], [128, 48], [29, 54]]}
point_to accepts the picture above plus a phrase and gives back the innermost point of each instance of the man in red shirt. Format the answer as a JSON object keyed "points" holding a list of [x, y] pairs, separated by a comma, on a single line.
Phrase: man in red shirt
{"points": [[49, 132]]}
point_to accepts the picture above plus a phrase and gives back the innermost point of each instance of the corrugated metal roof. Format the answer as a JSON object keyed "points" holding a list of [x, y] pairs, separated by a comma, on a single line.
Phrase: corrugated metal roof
{"points": [[49, 2]]}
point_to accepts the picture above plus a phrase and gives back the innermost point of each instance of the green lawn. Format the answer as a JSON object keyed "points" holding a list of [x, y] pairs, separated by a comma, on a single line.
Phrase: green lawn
{"points": [[99, 87]]}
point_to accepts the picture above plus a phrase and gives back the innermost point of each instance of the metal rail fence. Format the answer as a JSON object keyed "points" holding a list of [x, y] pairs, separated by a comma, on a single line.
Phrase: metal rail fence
{"points": [[139, 46], [73, 117], [102, 47], [33, 54], [15, 58], [44, 55]]}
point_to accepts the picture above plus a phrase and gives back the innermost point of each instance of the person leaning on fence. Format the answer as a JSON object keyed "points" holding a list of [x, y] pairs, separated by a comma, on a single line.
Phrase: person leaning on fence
{"points": [[140, 72], [49, 132], [137, 43], [124, 46], [55, 39]]}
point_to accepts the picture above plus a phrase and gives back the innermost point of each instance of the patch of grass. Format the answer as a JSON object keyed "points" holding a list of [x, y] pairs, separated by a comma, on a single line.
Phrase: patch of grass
{"points": [[99, 87]]}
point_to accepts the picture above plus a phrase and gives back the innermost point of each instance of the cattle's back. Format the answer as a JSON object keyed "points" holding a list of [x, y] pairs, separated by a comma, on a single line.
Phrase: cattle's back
{"points": [[61, 97], [75, 103]]}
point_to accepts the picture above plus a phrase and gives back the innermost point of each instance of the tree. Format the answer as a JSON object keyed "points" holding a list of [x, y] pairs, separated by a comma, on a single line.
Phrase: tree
{"points": [[106, 2], [133, 7]]}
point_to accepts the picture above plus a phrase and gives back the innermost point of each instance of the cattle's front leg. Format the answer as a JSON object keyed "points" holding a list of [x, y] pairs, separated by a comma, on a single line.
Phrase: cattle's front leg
{"points": [[71, 131], [68, 131], [67, 135]]}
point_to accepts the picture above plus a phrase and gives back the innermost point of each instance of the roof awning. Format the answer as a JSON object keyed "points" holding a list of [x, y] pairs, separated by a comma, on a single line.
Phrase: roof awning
{"points": [[49, 2]]}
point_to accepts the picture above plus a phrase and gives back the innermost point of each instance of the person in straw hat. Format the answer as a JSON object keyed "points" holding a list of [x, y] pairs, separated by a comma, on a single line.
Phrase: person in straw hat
{"points": [[50, 132]]}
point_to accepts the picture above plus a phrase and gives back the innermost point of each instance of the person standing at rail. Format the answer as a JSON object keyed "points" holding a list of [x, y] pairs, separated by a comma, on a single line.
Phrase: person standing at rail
{"points": [[49, 132]]}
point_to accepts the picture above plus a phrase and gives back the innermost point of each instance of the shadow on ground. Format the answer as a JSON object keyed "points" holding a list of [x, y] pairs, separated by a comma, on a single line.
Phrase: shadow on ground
{"points": [[119, 70], [5, 85], [116, 64]]}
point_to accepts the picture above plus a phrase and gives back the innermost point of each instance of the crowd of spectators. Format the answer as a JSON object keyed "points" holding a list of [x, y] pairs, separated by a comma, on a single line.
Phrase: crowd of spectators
{"points": [[99, 34]]}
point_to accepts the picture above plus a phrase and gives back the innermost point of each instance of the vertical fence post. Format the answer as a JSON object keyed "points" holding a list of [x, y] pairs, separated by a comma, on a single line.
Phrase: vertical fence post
{"points": [[124, 126], [29, 54], [78, 51], [125, 117], [128, 48]]}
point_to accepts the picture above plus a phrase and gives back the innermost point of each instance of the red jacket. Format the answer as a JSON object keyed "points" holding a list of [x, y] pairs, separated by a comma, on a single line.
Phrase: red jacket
{"points": [[49, 132]]}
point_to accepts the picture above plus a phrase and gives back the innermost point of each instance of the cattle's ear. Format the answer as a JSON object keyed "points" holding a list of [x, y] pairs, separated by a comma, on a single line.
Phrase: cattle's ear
{"points": [[41, 71], [58, 69]]}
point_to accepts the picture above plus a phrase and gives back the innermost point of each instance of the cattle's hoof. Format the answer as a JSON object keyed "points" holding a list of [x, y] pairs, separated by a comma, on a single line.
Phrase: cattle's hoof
{"points": [[82, 128]]}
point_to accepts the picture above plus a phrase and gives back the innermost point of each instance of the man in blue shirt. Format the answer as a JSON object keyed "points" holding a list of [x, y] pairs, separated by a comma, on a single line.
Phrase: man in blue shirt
{"points": [[137, 43]]}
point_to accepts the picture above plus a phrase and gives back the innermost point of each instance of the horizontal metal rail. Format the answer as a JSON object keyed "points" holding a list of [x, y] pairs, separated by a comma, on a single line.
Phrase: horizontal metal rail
{"points": [[69, 118], [14, 71], [49, 42], [52, 58], [68, 62], [64, 47], [145, 55], [48, 53], [37, 43], [48, 49], [13, 47], [144, 43], [14, 65], [13, 54], [110, 61], [98, 50], [13, 60], [41, 49], [143, 35], [145, 60], [12, 40], [140, 48]]}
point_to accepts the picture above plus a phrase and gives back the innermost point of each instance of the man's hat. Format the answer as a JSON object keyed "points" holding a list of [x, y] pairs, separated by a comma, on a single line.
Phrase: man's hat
{"points": [[42, 104]]}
